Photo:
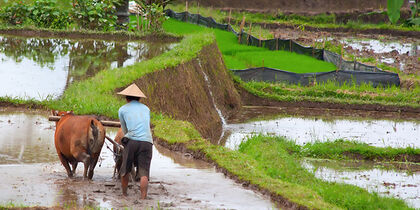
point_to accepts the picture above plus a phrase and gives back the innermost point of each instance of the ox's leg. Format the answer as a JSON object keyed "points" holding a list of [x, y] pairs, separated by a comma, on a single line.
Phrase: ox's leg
{"points": [[92, 166], [85, 158], [74, 166], [65, 163]]}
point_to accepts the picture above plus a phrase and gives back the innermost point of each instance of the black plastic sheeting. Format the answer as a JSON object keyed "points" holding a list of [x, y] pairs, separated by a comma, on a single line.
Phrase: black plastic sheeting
{"points": [[264, 74], [348, 71]]}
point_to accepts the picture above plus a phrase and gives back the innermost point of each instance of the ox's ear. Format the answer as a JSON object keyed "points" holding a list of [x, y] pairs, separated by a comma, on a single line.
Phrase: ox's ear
{"points": [[54, 112], [70, 112]]}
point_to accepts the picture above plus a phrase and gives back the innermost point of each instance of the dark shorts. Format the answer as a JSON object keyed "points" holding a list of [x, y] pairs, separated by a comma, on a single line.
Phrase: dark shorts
{"points": [[138, 153]]}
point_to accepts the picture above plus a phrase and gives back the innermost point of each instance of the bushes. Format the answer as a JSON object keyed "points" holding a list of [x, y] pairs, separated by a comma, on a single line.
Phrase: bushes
{"points": [[15, 14], [45, 14], [95, 14], [85, 14]]}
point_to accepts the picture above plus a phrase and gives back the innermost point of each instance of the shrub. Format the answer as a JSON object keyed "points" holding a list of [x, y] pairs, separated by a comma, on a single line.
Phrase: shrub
{"points": [[44, 13], [15, 14], [95, 14]]}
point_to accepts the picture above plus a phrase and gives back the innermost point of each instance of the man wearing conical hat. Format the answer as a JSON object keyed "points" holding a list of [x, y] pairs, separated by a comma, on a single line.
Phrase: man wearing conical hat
{"points": [[135, 123]]}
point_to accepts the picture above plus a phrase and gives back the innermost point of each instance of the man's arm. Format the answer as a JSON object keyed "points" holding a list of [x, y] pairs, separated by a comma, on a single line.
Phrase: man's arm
{"points": [[122, 121]]}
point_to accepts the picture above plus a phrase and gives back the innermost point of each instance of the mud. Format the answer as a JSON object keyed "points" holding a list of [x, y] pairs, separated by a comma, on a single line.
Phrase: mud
{"points": [[43, 68], [403, 184], [399, 52], [177, 180]]}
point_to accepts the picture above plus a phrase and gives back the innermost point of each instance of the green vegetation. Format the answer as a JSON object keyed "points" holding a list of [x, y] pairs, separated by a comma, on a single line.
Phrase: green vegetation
{"points": [[341, 149], [332, 92], [238, 56], [86, 14], [277, 158]]}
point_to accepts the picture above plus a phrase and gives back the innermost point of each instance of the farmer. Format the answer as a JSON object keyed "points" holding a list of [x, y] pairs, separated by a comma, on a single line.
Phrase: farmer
{"points": [[135, 123]]}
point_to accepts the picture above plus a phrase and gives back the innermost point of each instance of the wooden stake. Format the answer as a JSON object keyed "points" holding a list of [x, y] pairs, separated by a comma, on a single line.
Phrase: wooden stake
{"points": [[290, 45], [241, 28], [313, 48], [230, 15], [249, 33], [186, 6], [198, 7]]}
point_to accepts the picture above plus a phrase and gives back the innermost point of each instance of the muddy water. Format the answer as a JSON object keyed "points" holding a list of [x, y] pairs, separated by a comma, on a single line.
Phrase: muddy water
{"points": [[395, 52], [35, 177], [375, 132], [403, 184], [40, 68]]}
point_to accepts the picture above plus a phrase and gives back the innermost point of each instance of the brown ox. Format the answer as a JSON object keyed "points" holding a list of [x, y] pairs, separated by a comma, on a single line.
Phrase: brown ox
{"points": [[78, 139]]}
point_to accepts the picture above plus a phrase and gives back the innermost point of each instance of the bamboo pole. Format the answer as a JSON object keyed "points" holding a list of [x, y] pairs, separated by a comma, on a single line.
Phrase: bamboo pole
{"points": [[230, 13], [241, 28], [249, 33], [104, 122]]}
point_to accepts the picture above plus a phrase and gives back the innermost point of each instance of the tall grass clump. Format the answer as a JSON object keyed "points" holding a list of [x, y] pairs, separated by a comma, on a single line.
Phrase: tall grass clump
{"points": [[239, 56], [273, 156]]}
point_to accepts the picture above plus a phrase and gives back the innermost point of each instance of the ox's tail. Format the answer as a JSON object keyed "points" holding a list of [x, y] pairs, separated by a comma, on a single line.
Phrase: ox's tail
{"points": [[96, 136]]}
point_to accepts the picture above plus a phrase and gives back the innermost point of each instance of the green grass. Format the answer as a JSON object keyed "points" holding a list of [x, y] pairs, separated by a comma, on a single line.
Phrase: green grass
{"points": [[238, 56], [340, 149], [275, 157], [332, 92]]}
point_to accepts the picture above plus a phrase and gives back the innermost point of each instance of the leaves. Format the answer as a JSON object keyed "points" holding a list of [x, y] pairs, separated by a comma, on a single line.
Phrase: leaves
{"points": [[394, 7]]}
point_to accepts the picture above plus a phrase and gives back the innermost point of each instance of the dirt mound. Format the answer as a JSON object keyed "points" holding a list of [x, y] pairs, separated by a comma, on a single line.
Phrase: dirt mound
{"points": [[183, 92]]}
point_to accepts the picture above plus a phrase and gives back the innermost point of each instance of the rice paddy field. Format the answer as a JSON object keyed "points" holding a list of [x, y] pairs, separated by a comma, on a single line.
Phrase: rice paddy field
{"points": [[237, 56]]}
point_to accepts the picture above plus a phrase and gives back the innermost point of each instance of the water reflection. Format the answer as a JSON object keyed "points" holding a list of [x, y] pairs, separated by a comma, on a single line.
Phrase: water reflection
{"points": [[403, 184], [40, 68], [380, 133], [30, 139]]}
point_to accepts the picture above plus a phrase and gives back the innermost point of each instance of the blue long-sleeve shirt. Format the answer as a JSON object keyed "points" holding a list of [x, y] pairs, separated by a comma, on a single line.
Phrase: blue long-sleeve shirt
{"points": [[135, 121]]}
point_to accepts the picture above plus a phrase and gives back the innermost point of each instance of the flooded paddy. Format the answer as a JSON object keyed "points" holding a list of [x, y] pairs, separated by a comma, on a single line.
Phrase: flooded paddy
{"points": [[304, 129], [379, 178], [41, 68], [34, 176]]}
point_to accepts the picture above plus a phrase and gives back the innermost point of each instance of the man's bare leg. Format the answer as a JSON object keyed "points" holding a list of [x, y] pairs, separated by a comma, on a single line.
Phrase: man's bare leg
{"points": [[144, 182], [124, 183]]}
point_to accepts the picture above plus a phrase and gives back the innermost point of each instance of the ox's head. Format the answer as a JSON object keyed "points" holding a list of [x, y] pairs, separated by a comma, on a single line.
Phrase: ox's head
{"points": [[61, 113]]}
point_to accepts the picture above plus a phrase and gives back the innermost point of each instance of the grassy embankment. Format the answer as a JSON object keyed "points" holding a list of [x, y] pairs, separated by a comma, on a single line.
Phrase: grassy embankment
{"points": [[237, 56], [280, 159], [298, 21]]}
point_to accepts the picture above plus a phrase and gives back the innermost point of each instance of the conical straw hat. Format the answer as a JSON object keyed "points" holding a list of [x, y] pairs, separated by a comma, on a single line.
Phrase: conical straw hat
{"points": [[132, 90]]}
